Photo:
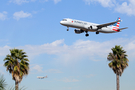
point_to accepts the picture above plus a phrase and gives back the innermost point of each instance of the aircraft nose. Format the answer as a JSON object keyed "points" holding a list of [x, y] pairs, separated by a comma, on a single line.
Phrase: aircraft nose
{"points": [[60, 22]]}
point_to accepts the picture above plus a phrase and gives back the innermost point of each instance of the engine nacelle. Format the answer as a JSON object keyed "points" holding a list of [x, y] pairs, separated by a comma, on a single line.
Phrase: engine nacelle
{"points": [[78, 31], [94, 27]]}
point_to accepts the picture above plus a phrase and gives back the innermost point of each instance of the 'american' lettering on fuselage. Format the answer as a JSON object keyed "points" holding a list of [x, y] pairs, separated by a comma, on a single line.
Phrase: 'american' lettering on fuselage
{"points": [[75, 21]]}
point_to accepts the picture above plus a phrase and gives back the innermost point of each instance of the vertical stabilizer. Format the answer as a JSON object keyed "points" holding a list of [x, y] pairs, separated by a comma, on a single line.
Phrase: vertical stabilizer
{"points": [[116, 25]]}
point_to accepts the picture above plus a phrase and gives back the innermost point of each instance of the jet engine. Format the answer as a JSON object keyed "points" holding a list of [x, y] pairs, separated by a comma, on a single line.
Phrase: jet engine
{"points": [[94, 27], [78, 31]]}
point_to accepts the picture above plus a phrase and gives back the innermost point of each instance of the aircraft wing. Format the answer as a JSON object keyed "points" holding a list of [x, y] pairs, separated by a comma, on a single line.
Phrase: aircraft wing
{"points": [[106, 24]]}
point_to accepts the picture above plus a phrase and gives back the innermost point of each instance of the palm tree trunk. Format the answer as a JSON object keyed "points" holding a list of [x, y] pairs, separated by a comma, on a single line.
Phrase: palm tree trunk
{"points": [[16, 85], [117, 82]]}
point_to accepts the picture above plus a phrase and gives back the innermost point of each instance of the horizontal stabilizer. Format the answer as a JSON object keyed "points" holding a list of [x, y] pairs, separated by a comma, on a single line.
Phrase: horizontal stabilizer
{"points": [[122, 28]]}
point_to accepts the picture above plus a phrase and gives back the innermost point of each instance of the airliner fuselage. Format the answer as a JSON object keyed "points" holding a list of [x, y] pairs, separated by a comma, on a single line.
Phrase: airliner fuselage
{"points": [[83, 26]]}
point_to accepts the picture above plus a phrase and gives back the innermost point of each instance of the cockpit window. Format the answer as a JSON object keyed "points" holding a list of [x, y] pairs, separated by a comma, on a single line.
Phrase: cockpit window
{"points": [[64, 20]]}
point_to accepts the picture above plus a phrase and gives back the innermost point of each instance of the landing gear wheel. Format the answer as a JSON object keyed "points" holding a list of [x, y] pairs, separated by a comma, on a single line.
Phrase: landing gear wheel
{"points": [[97, 32], [86, 35], [67, 28]]}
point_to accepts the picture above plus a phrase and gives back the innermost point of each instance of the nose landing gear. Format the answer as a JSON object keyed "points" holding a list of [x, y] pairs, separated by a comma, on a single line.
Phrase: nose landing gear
{"points": [[67, 28]]}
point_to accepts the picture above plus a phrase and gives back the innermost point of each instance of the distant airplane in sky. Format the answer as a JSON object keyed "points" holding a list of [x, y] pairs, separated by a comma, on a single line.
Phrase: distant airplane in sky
{"points": [[83, 26], [41, 77]]}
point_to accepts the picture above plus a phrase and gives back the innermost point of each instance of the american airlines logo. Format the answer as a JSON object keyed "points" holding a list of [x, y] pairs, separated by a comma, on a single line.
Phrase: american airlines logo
{"points": [[80, 22]]}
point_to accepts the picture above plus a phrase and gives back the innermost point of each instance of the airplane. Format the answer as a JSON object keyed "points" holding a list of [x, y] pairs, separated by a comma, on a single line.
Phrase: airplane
{"points": [[41, 77], [83, 26]]}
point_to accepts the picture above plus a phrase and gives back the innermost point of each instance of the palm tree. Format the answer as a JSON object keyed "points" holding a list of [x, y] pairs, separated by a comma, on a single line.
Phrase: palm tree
{"points": [[17, 64], [118, 62], [2, 83]]}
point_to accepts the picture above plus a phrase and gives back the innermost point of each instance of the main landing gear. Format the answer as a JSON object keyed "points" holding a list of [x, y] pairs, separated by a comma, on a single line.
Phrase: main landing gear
{"points": [[97, 32], [86, 34]]}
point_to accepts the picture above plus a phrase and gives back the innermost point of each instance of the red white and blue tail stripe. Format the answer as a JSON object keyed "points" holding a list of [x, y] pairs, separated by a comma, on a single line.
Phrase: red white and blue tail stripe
{"points": [[116, 25]]}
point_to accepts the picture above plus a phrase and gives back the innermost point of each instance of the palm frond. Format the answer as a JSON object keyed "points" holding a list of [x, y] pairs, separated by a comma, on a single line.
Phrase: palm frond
{"points": [[118, 60], [2, 83], [17, 64]]}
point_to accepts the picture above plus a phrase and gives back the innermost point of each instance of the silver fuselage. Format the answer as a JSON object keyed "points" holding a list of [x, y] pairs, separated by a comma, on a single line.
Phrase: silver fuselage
{"points": [[85, 25]]}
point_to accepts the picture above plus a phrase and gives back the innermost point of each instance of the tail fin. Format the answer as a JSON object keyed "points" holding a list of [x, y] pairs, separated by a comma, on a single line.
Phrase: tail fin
{"points": [[116, 25]]}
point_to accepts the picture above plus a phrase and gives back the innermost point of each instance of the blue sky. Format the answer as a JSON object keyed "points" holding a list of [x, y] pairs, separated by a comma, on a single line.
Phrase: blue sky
{"points": [[71, 61]]}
